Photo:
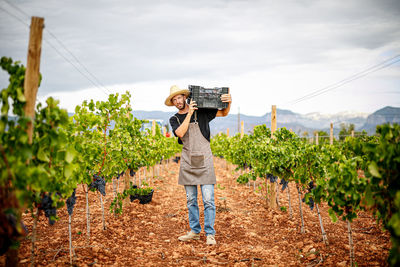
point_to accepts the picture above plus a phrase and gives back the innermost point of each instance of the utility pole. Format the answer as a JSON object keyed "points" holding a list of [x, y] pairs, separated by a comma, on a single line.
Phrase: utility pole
{"points": [[238, 124]]}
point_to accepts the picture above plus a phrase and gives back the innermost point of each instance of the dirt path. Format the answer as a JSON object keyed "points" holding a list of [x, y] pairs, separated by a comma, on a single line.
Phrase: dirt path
{"points": [[247, 233]]}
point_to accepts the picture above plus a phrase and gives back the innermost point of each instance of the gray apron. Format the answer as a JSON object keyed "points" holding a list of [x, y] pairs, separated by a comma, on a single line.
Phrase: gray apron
{"points": [[197, 167]]}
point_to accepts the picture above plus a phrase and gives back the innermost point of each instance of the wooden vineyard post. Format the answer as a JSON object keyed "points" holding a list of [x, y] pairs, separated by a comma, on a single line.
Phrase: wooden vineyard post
{"points": [[324, 236], [302, 230], [316, 139], [127, 185], [241, 136], [352, 133], [102, 212], [272, 200], [226, 162], [273, 120], [31, 82], [153, 131], [128, 113], [331, 135], [31, 85], [163, 160], [153, 128], [351, 244]]}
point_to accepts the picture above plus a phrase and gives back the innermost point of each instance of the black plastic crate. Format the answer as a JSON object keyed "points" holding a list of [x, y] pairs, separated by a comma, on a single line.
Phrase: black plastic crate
{"points": [[208, 97]]}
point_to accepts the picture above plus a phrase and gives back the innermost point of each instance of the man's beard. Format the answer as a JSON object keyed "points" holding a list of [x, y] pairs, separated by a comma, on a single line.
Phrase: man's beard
{"points": [[184, 105]]}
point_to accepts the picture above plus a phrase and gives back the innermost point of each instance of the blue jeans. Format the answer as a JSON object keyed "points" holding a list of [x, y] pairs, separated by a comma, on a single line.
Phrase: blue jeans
{"points": [[207, 192]]}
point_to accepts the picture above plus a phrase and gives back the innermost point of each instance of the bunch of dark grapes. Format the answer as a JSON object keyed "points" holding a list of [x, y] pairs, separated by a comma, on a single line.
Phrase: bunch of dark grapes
{"points": [[132, 172], [311, 186], [271, 178], [71, 203], [176, 159], [247, 166], [311, 204], [47, 206], [284, 184], [99, 184]]}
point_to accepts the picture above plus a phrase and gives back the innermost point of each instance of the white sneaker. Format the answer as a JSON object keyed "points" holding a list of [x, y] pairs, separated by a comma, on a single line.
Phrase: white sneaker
{"points": [[211, 240], [189, 236]]}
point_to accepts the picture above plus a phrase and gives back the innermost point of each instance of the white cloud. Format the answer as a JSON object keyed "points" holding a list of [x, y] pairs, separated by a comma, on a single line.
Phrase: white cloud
{"points": [[268, 52]]}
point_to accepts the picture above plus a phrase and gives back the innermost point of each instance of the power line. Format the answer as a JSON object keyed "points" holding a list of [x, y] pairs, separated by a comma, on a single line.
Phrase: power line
{"points": [[14, 16], [79, 62], [347, 80], [70, 62], [355, 78], [381, 65], [17, 8], [58, 52], [344, 80]]}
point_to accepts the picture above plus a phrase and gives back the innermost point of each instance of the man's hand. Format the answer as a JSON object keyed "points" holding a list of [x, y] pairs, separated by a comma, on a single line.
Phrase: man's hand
{"points": [[226, 98], [192, 107]]}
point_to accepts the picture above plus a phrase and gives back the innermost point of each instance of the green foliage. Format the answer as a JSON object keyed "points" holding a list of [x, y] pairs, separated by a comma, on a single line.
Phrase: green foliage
{"points": [[360, 173], [109, 140], [246, 177], [383, 183], [323, 137], [28, 171], [102, 138], [345, 129], [116, 204]]}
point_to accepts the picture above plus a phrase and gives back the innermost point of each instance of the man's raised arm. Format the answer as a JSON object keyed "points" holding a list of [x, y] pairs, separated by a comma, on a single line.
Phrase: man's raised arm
{"points": [[226, 98]]}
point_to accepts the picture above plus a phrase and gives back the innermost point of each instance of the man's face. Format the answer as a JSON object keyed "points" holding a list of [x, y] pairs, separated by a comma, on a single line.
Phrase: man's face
{"points": [[179, 101]]}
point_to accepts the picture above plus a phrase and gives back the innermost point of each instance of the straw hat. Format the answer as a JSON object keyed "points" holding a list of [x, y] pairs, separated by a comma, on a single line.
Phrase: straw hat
{"points": [[173, 91]]}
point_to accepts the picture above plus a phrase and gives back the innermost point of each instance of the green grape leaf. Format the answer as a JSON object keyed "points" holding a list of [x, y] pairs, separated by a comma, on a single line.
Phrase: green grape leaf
{"points": [[332, 214], [369, 197], [20, 95], [373, 169], [69, 170], [70, 154], [42, 155]]}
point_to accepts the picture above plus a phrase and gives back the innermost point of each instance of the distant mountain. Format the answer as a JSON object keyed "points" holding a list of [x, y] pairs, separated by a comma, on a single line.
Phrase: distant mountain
{"points": [[285, 118], [387, 114], [299, 123], [154, 115], [318, 120]]}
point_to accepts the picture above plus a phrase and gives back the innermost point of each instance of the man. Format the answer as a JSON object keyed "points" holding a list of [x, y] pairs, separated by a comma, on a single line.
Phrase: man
{"points": [[191, 125]]}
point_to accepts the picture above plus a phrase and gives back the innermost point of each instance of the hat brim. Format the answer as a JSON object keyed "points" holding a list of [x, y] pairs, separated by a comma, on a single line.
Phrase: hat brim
{"points": [[168, 101]]}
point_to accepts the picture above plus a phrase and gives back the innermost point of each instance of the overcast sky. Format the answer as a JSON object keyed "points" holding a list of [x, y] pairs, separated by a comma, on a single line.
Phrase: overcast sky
{"points": [[267, 52]]}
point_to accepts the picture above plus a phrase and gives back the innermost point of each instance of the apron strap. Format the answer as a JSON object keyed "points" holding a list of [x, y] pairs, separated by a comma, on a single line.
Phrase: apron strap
{"points": [[177, 120], [195, 116]]}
